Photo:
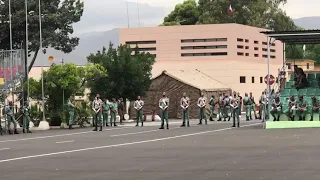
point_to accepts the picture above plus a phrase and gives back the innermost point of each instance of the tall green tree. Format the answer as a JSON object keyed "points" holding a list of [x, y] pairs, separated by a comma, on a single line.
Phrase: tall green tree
{"points": [[129, 72], [58, 16]]}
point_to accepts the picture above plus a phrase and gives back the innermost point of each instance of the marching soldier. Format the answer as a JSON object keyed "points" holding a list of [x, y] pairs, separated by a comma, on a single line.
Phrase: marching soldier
{"points": [[164, 105], [26, 117], [253, 107], [220, 110], [138, 106], [315, 107], [121, 110], [302, 107], [202, 105], [276, 109], [240, 104], [97, 108], [113, 111], [247, 103], [212, 104], [291, 112], [71, 108], [11, 118], [235, 112], [105, 111], [185, 103], [226, 108]]}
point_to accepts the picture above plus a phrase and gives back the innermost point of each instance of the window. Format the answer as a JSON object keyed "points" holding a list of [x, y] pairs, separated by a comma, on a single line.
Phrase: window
{"points": [[141, 42], [247, 40], [240, 53], [289, 65], [240, 47], [256, 42], [242, 79], [256, 48], [247, 54], [264, 43], [204, 47], [308, 66], [147, 49], [273, 44], [265, 56], [203, 40], [252, 79], [272, 50], [261, 80], [239, 40], [272, 57], [205, 54], [256, 55], [264, 49], [247, 47]]}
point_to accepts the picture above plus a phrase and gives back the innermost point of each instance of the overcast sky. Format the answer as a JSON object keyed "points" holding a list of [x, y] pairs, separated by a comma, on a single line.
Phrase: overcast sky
{"points": [[103, 15]]}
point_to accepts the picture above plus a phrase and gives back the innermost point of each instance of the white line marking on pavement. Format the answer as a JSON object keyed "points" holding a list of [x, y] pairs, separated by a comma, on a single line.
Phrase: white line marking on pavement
{"points": [[60, 135], [141, 132], [4, 149], [61, 142], [119, 145]]}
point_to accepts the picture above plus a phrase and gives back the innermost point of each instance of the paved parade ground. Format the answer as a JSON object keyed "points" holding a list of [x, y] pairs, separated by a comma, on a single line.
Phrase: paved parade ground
{"points": [[213, 151]]}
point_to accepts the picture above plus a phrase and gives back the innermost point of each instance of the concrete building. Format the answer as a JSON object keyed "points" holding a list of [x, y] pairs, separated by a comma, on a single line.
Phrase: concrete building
{"points": [[233, 54]]}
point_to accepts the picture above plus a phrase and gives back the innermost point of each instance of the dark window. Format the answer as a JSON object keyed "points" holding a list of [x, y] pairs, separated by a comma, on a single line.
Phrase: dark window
{"points": [[247, 47], [204, 47], [264, 43], [264, 49], [256, 42], [141, 42], [239, 47], [247, 54], [308, 66], [256, 48], [247, 40], [147, 49], [272, 57], [272, 50], [265, 56], [273, 44], [242, 79], [261, 80], [240, 53], [289, 65], [256, 55], [252, 79], [205, 54], [239, 40], [203, 40]]}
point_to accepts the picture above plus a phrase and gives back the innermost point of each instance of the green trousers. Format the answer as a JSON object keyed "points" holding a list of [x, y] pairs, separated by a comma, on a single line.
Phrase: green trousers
{"points": [[248, 113], [105, 117], [290, 113], [98, 119], [202, 115], [227, 112], [220, 112], [71, 116], [253, 108], [262, 111], [211, 111], [185, 116], [314, 111], [164, 117], [26, 121], [302, 113], [235, 116], [275, 114], [139, 116], [113, 118], [11, 119]]}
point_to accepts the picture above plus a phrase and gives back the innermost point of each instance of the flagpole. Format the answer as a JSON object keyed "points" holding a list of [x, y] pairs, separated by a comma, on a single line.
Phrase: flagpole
{"points": [[138, 12], [128, 14], [27, 47], [40, 49]]}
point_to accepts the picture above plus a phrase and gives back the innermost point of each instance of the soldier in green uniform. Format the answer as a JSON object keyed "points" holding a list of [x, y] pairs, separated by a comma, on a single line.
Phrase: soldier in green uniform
{"points": [[26, 117], [212, 104], [291, 112], [235, 112], [302, 107], [240, 104], [97, 108], [11, 118], [71, 108], [113, 112], [138, 106], [105, 111], [247, 104], [220, 110], [202, 105], [253, 107], [185, 103], [226, 109], [262, 109], [164, 105], [315, 107], [276, 109]]}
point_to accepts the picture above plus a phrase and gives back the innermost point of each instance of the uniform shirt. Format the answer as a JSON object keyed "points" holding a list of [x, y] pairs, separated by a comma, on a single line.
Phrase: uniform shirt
{"points": [[211, 102], [246, 101], [226, 101], [291, 103], [113, 107], [70, 106], [138, 104], [234, 104], [302, 103], [277, 105], [96, 104], [221, 101], [26, 110], [105, 106], [315, 103], [184, 102], [262, 99], [163, 102], [252, 100], [8, 110], [202, 101]]}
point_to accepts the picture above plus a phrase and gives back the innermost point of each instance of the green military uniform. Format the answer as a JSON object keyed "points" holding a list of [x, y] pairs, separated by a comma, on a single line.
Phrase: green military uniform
{"points": [[235, 112], [221, 106], [138, 105], [302, 113], [202, 112], [226, 108], [10, 118], [211, 103], [71, 113], [253, 107], [113, 113], [97, 107], [276, 109], [26, 118], [262, 109], [291, 111], [247, 104], [105, 113], [163, 104], [184, 103], [315, 108]]}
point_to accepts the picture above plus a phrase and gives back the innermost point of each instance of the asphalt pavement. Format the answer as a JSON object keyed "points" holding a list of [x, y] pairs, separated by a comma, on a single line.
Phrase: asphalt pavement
{"points": [[214, 151]]}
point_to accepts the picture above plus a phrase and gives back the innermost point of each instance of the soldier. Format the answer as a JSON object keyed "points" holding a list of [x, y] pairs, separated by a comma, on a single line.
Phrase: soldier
{"points": [[71, 108], [276, 109], [11, 118], [202, 105], [302, 107], [253, 107], [262, 109], [315, 107], [185, 103], [121, 110], [164, 105], [240, 104], [220, 110], [227, 112], [291, 112], [113, 111], [97, 108], [26, 117], [105, 111], [247, 103], [235, 112], [212, 104], [138, 106]]}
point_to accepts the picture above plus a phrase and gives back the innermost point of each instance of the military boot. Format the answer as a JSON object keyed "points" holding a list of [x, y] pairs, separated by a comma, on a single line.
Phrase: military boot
{"points": [[238, 124], [115, 125], [95, 129], [292, 118], [161, 127], [211, 119], [200, 122], [167, 126], [28, 131], [183, 124], [16, 132], [100, 128], [141, 123], [23, 131], [188, 124], [234, 125], [311, 118], [10, 132]]}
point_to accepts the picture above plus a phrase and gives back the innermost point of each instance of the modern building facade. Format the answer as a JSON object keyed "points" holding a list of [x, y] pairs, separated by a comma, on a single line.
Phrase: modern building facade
{"points": [[233, 54]]}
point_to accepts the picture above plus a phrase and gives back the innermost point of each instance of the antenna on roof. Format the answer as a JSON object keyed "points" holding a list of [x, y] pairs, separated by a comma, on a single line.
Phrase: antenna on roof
{"points": [[128, 14], [138, 13]]}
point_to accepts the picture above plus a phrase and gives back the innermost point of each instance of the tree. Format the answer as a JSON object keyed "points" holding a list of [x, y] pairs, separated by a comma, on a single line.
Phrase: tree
{"points": [[128, 75], [57, 19]]}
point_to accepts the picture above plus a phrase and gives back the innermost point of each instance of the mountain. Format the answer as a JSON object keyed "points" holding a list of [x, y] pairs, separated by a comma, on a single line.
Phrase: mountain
{"points": [[308, 22]]}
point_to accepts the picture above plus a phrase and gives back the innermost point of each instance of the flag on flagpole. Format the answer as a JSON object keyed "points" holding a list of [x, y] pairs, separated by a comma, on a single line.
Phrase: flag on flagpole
{"points": [[230, 11]]}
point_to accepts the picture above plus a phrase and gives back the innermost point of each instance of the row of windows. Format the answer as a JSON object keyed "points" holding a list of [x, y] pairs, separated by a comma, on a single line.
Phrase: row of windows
{"points": [[141, 42], [243, 79], [147, 49], [203, 40], [256, 42], [255, 48], [204, 47], [205, 54], [255, 55]]}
